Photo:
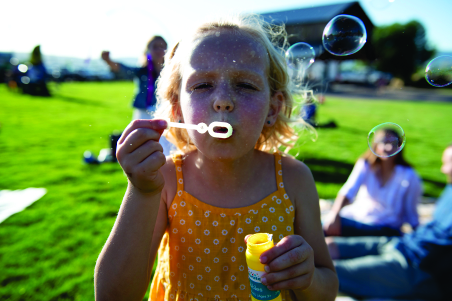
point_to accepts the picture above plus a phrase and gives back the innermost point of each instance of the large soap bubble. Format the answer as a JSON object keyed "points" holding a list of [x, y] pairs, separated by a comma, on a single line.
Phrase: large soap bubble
{"points": [[438, 72], [300, 56], [344, 35], [386, 139]]}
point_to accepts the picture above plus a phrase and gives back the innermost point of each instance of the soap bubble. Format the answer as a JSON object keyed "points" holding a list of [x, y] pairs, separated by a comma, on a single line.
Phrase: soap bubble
{"points": [[386, 139], [438, 72], [344, 35], [300, 56]]}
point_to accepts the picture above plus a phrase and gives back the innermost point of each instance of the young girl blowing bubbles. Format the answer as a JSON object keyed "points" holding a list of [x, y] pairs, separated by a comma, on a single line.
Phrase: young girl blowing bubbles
{"points": [[195, 209]]}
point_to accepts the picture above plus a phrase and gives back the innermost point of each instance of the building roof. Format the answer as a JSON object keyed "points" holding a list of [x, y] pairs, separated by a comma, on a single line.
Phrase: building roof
{"points": [[308, 15]]}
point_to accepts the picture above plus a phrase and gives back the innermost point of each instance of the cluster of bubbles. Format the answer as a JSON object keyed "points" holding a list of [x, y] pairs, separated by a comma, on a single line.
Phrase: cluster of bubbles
{"points": [[386, 139], [343, 35]]}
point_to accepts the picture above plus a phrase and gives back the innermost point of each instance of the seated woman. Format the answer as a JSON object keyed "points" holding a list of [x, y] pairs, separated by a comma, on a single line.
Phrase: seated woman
{"points": [[379, 196]]}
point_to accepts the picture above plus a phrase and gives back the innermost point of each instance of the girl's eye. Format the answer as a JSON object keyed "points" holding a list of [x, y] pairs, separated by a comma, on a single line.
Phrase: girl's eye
{"points": [[247, 86], [202, 86]]}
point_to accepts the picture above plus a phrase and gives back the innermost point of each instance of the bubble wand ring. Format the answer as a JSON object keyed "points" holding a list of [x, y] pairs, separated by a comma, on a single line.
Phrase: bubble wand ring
{"points": [[202, 128]]}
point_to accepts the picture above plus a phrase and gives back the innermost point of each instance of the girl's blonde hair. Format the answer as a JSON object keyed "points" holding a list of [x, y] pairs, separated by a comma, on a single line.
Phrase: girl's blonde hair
{"points": [[274, 40]]}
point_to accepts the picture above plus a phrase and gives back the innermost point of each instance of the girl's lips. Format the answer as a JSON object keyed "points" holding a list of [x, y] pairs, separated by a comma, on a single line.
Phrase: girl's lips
{"points": [[223, 130]]}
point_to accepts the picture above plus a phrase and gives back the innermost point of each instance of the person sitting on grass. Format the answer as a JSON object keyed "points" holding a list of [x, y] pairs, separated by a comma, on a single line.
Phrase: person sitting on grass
{"points": [[416, 265], [380, 195]]}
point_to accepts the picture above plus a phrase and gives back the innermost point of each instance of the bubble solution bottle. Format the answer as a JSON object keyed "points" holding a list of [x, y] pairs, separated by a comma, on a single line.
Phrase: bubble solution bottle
{"points": [[256, 245]]}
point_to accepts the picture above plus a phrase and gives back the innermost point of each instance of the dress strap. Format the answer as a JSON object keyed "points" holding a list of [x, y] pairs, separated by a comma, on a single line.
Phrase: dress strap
{"points": [[278, 171], [178, 161]]}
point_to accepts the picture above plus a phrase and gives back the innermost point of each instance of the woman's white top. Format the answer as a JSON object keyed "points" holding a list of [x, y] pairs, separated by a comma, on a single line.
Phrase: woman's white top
{"points": [[391, 205]]}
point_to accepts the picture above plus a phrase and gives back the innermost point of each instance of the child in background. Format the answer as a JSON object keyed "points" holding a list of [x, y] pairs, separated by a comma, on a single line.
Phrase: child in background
{"points": [[145, 78], [196, 208]]}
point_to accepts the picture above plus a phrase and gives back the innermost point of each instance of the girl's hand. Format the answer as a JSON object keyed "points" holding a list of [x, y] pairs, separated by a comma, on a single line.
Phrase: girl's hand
{"points": [[140, 154], [105, 55], [289, 264]]}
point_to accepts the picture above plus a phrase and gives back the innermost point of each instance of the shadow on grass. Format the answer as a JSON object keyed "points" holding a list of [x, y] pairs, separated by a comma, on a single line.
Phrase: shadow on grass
{"points": [[336, 172], [76, 100], [329, 171]]}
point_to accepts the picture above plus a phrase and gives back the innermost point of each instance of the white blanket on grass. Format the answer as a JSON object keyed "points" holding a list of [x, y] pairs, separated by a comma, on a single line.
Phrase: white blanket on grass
{"points": [[13, 201]]}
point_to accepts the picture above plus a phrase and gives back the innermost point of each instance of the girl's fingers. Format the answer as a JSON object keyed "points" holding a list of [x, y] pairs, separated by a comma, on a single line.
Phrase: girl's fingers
{"points": [[153, 162], [290, 258], [135, 140], [145, 150], [292, 272], [246, 238], [154, 124], [298, 282], [284, 245]]}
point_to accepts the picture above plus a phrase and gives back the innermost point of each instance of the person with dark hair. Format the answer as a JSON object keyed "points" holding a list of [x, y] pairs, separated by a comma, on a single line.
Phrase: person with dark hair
{"points": [[145, 101], [37, 74], [380, 195], [414, 266]]}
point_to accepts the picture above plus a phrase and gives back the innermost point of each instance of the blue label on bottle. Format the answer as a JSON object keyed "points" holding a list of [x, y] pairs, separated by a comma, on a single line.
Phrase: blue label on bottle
{"points": [[258, 290]]}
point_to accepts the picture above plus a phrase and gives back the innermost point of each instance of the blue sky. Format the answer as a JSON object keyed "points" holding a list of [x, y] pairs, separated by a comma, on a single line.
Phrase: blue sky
{"points": [[86, 27]]}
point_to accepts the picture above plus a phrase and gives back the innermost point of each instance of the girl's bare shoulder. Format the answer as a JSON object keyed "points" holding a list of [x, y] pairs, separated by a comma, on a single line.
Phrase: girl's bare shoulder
{"points": [[299, 182], [169, 174]]}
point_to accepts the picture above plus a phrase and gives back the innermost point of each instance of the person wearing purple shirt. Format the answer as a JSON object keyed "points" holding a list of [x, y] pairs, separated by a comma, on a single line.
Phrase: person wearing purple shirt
{"points": [[380, 195], [145, 77], [416, 265]]}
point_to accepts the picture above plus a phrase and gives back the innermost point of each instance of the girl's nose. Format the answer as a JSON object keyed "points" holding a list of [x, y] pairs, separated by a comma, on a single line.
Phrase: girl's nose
{"points": [[223, 102]]}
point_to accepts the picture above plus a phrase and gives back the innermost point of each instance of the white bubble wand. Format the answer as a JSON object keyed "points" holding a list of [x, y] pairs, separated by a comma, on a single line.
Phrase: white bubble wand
{"points": [[202, 128]]}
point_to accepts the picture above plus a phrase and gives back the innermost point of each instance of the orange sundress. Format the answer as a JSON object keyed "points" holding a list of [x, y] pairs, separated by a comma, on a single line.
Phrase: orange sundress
{"points": [[202, 253]]}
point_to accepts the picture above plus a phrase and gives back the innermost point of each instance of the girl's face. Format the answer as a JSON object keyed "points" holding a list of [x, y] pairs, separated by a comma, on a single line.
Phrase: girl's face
{"points": [[157, 49], [225, 79], [446, 168], [386, 144]]}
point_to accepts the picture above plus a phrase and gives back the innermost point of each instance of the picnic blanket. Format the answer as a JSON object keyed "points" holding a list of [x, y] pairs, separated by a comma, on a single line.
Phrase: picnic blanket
{"points": [[13, 201]]}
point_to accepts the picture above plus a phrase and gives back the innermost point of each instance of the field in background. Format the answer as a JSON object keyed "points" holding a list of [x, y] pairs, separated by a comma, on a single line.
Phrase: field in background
{"points": [[48, 251]]}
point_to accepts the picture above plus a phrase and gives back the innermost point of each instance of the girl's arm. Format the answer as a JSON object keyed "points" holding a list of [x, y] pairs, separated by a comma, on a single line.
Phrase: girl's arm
{"points": [[301, 262], [332, 225], [114, 67], [124, 267]]}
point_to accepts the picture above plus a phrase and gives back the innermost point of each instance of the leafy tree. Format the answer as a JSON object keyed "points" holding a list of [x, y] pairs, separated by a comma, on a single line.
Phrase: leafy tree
{"points": [[401, 48]]}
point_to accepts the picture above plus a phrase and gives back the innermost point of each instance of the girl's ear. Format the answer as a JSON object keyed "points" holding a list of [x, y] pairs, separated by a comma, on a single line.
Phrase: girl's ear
{"points": [[276, 104]]}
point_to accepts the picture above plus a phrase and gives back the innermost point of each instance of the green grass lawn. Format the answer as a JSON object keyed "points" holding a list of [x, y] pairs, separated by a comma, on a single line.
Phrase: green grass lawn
{"points": [[48, 251]]}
